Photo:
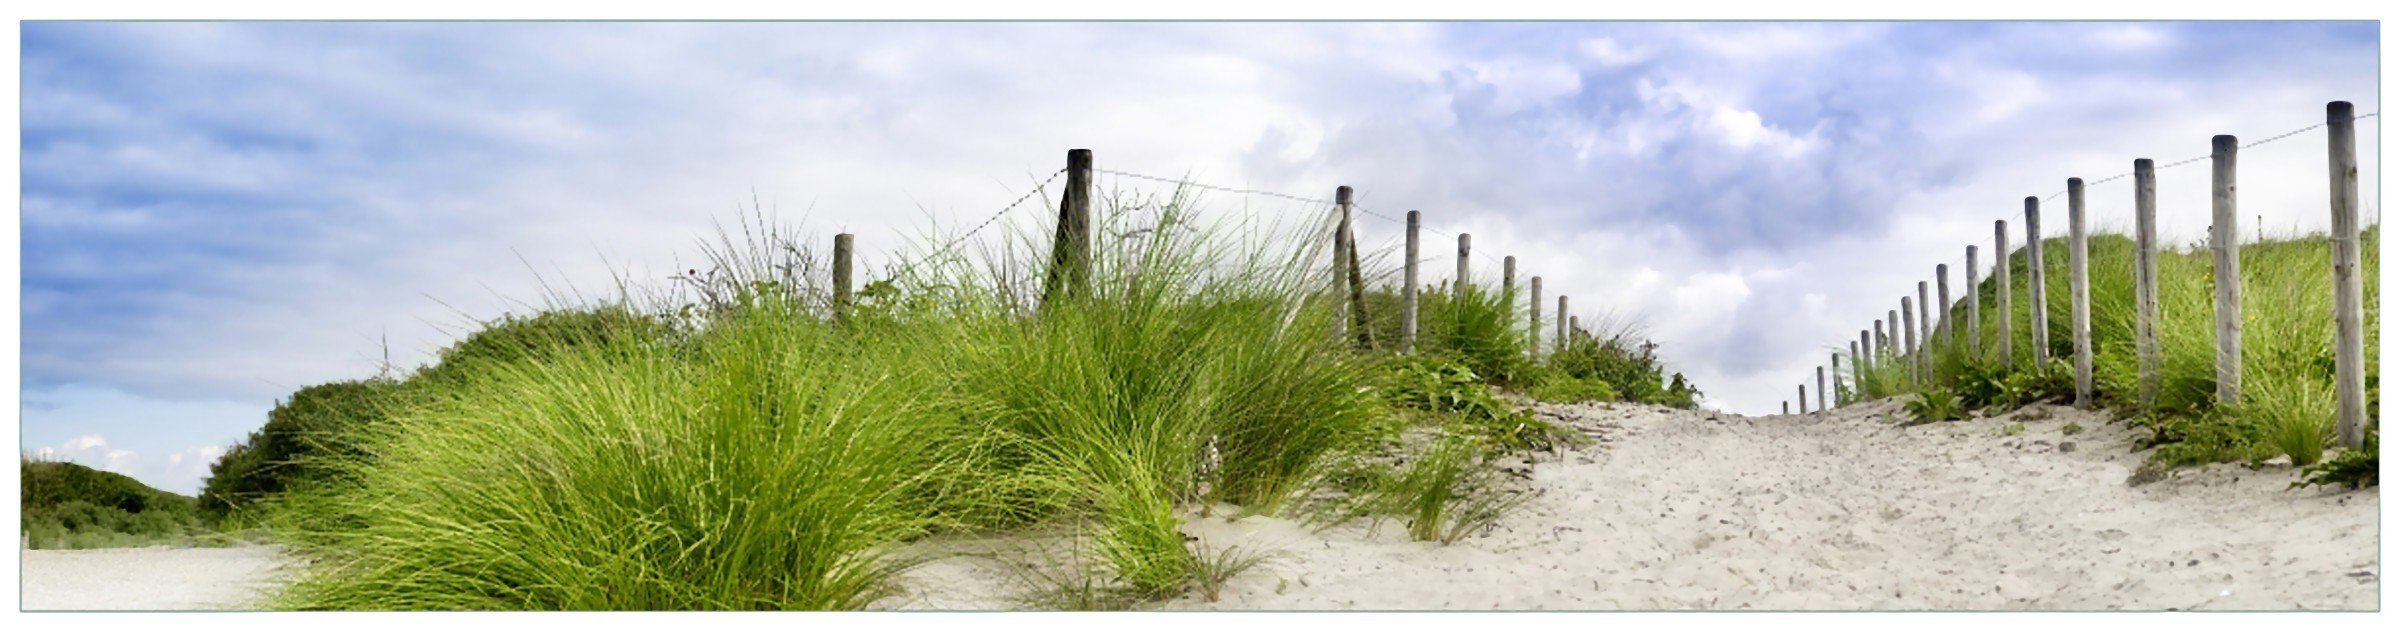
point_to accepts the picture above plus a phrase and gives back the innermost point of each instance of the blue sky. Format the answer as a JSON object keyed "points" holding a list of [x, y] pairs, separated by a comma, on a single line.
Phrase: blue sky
{"points": [[214, 215]]}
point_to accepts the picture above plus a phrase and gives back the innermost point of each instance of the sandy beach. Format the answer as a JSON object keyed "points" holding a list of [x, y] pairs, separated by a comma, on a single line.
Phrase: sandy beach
{"points": [[149, 578], [1684, 510], [1678, 510]]}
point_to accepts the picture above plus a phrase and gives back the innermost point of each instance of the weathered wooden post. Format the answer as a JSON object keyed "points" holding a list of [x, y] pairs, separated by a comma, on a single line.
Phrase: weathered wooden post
{"points": [[1071, 251], [1574, 328], [1883, 341], [841, 277], [1460, 281], [1942, 326], [1974, 309], [1858, 372], [1533, 330], [1924, 343], [2225, 239], [2079, 294], [2036, 290], [1508, 281], [2145, 281], [1908, 338], [1560, 344], [1341, 262], [1862, 355], [1804, 399], [1787, 407], [1357, 277], [1823, 402], [2349, 343], [2002, 290], [1408, 290]]}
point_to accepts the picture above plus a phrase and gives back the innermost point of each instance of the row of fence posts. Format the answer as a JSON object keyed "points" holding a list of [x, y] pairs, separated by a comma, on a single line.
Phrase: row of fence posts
{"points": [[1914, 319], [1069, 269]]}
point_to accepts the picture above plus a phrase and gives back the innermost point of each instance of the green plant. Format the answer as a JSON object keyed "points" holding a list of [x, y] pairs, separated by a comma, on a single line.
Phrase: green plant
{"points": [[1933, 405], [315, 423], [1460, 400], [2351, 469], [2013, 428], [1445, 493]]}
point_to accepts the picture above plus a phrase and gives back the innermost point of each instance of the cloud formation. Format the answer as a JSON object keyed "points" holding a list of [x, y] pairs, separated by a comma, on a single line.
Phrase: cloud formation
{"points": [[222, 213]]}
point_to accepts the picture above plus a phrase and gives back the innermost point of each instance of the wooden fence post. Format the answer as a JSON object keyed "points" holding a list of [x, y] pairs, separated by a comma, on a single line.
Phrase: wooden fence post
{"points": [[1924, 331], [1823, 402], [1574, 327], [1071, 251], [1941, 325], [1787, 407], [1974, 308], [1408, 291], [1461, 280], [1908, 339], [1858, 368], [1533, 329], [1358, 281], [1804, 399], [1862, 357], [2145, 281], [2037, 290], [2225, 238], [841, 277], [2349, 344], [2002, 290], [1560, 344], [2079, 294], [1883, 343], [1341, 262], [1508, 281]]}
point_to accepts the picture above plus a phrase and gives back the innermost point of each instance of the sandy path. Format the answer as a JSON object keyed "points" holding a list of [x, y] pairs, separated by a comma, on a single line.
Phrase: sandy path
{"points": [[149, 578], [1694, 511]]}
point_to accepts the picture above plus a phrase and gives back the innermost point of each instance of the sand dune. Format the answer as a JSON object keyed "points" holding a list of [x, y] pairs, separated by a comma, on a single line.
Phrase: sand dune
{"points": [[1680, 510]]}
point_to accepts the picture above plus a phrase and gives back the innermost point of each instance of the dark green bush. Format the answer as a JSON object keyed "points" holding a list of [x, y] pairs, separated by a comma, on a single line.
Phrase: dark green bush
{"points": [[66, 505], [1629, 366]]}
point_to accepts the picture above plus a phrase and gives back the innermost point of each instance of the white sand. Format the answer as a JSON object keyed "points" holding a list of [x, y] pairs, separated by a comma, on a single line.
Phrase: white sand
{"points": [[1694, 511], [148, 578]]}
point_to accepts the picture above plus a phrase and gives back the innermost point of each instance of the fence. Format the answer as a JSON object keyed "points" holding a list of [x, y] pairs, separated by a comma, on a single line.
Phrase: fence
{"points": [[1068, 271], [2224, 245]]}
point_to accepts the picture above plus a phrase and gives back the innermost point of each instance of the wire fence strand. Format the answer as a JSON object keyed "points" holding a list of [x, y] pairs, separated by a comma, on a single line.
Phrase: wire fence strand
{"points": [[2201, 157], [987, 222]]}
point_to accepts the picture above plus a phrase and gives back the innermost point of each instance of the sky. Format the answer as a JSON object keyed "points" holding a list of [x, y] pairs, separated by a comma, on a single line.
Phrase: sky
{"points": [[217, 214]]}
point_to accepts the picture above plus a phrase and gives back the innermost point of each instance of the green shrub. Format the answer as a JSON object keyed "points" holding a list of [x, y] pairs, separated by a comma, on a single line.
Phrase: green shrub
{"points": [[68, 506], [1629, 366]]}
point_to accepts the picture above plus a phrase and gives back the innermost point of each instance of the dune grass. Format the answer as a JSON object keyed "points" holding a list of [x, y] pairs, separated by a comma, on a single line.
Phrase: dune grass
{"points": [[2287, 367]]}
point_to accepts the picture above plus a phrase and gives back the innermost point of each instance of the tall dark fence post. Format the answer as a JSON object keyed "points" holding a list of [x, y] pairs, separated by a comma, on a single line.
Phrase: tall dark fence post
{"points": [[2349, 343], [1071, 252], [1974, 309]]}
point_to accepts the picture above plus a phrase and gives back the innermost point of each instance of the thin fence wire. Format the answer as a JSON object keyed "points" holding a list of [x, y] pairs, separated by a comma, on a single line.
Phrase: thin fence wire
{"points": [[987, 222], [1354, 205], [2201, 157]]}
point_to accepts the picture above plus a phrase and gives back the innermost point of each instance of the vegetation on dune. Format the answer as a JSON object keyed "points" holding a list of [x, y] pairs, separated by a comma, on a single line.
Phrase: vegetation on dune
{"points": [[68, 506], [726, 442], [2287, 406]]}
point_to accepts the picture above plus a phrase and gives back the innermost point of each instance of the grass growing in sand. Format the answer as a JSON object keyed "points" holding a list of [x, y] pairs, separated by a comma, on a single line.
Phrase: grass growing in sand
{"points": [[2287, 368], [725, 443]]}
